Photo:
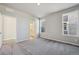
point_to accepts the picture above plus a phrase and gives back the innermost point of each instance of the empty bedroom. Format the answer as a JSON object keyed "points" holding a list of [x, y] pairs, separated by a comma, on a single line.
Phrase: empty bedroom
{"points": [[39, 28]]}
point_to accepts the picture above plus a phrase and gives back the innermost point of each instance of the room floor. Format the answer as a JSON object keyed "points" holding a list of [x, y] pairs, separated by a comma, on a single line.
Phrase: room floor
{"points": [[38, 47]]}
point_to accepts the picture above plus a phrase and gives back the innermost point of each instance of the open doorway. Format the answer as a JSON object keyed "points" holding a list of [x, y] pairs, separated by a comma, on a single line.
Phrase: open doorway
{"points": [[34, 28]]}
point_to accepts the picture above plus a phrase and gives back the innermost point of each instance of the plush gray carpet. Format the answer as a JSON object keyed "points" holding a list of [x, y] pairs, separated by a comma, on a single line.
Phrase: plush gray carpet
{"points": [[38, 47]]}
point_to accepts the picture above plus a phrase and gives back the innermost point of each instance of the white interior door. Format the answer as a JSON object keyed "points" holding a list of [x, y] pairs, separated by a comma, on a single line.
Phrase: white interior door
{"points": [[1, 30], [22, 29]]}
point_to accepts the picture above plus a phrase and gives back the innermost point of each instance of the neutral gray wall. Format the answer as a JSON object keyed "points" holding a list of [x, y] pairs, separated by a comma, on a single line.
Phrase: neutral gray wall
{"points": [[53, 27]]}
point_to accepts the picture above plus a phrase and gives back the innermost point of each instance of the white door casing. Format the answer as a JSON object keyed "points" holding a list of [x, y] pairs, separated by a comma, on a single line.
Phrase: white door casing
{"points": [[1, 22]]}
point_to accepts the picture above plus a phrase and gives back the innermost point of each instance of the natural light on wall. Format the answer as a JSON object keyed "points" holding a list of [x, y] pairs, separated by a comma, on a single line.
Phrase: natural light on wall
{"points": [[9, 27]]}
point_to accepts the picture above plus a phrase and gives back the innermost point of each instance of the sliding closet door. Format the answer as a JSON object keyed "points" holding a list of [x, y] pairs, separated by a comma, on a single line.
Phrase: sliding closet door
{"points": [[9, 27], [1, 23]]}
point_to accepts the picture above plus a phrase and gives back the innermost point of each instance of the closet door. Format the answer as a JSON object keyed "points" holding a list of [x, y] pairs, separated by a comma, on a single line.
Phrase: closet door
{"points": [[22, 28], [1, 30]]}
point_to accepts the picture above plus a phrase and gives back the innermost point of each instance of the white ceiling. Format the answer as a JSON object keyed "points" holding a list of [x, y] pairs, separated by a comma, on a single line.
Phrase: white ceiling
{"points": [[42, 10]]}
